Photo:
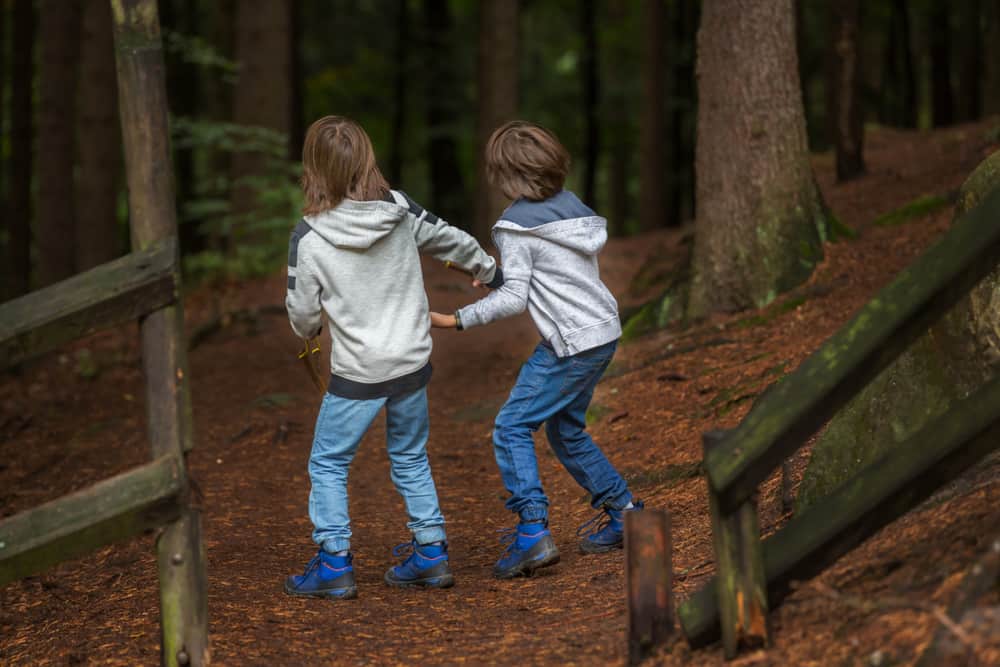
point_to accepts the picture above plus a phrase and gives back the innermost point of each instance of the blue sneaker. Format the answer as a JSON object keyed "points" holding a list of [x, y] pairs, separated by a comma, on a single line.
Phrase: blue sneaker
{"points": [[606, 530], [326, 576], [529, 547], [426, 566]]}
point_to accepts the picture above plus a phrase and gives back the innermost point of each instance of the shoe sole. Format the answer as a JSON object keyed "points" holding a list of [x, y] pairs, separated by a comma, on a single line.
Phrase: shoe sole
{"points": [[528, 568], [591, 548], [332, 594], [441, 581]]}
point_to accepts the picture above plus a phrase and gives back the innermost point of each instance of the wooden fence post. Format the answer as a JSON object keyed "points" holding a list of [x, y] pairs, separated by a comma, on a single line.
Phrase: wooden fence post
{"points": [[742, 585], [143, 107], [648, 581]]}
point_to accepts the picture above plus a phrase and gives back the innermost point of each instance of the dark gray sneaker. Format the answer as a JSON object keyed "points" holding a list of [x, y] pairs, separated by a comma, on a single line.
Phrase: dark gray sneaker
{"points": [[606, 531], [530, 547]]}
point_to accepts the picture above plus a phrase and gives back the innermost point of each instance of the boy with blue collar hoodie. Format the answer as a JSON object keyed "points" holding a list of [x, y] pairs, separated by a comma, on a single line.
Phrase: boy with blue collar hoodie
{"points": [[548, 242], [355, 256]]}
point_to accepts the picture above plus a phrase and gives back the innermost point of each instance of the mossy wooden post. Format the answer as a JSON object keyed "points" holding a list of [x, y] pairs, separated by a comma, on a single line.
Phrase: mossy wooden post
{"points": [[143, 106], [648, 579], [739, 560]]}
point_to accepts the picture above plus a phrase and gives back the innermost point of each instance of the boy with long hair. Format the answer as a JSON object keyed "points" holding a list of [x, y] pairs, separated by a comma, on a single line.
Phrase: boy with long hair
{"points": [[549, 241], [355, 256]]}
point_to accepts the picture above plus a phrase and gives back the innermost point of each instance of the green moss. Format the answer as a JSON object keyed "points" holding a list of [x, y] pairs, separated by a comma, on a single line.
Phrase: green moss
{"points": [[838, 230], [668, 475], [596, 412], [918, 208]]}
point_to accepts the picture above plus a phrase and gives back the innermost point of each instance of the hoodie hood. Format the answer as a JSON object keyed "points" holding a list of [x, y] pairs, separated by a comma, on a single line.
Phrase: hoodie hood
{"points": [[357, 225], [562, 219]]}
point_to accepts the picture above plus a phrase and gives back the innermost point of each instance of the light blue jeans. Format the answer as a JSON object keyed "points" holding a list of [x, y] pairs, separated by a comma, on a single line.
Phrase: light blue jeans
{"points": [[341, 424], [555, 391]]}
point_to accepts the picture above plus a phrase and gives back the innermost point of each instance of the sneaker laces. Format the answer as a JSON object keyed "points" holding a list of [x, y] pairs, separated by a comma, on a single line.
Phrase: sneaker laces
{"points": [[594, 525], [508, 537], [403, 549], [311, 565]]}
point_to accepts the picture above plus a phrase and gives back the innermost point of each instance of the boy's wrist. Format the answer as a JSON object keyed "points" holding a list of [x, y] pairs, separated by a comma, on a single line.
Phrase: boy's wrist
{"points": [[458, 322]]}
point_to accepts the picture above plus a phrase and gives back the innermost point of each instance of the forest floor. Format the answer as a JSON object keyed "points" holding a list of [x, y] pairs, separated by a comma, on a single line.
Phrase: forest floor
{"points": [[76, 417]]}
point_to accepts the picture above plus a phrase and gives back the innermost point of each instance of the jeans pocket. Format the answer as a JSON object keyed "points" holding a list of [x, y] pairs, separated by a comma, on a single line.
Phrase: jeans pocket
{"points": [[583, 371]]}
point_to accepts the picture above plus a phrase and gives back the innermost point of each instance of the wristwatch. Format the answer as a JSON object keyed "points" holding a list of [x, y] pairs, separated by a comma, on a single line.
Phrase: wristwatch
{"points": [[458, 322]]}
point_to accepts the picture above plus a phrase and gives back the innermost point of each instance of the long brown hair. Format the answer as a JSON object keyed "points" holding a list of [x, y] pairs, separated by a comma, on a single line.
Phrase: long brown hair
{"points": [[526, 160], [338, 162]]}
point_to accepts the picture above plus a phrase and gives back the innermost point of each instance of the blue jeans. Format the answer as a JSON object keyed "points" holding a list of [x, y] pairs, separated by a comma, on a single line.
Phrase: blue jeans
{"points": [[555, 391], [341, 424]]}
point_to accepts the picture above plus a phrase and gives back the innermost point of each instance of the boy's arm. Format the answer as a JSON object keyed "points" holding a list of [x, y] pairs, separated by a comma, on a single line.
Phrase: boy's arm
{"points": [[302, 299], [447, 243], [509, 299]]}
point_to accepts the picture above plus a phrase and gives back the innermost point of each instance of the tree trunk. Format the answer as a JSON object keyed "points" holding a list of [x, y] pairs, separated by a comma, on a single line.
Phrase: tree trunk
{"points": [[18, 269], [960, 353], [498, 96], [760, 215], [939, 30], [844, 88], [968, 84], [899, 97], [444, 108], [618, 119], [263, 91], [401, 49], [591, 101], [217, 96], [653, 149], [98, 144], [59, 33], [297, 124], [684, 117], [991, 92]]}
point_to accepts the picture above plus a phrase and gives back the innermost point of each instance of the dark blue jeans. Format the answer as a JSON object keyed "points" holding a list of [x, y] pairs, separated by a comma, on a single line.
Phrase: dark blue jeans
{"points": [[555, 391]]}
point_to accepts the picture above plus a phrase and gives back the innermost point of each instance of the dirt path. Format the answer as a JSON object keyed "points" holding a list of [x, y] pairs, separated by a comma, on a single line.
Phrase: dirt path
{"points": [[254, 412]]}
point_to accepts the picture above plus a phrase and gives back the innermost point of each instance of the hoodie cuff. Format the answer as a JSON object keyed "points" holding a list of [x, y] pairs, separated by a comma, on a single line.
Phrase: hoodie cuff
{"points": [[465, 317], [497, 281]]}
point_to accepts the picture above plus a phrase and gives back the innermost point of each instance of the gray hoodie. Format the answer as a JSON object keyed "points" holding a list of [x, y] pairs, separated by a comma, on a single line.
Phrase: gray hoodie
{"points": [[359, 263], [549, 255]]}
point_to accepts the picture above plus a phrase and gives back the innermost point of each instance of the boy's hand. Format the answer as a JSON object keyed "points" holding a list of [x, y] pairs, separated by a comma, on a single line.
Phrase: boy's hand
{"points": [[481, 285], [443, 321]]}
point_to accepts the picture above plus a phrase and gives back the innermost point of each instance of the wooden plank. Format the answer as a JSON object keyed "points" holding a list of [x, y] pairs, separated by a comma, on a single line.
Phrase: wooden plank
{"points": [[804, 400], [876, 496], [145, 136], [109, 511], [105, 296], [648, 575]]}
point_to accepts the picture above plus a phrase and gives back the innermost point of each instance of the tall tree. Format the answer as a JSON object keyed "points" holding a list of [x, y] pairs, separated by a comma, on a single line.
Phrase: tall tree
{"points": [[444, 101], [899, 85], [939, 31], [400, 76], [18, 217], [684, 109], [759, 212], [98, 144], [297, 127], [618, 118], [652, 126], [263, 91], [846, 122], [59, 33], [591, 100], [498, 74], [991, 92], [968, 82]]}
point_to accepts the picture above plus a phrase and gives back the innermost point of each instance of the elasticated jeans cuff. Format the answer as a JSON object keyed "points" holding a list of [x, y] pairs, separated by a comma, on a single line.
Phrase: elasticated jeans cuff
{"points": [[429, 534], [335, 544], [534, 513], [621, 502]]}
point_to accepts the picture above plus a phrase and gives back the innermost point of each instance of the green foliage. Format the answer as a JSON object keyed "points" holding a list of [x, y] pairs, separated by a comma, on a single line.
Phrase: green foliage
{"points": [[917, 208], [837, 230], [196, 51]]}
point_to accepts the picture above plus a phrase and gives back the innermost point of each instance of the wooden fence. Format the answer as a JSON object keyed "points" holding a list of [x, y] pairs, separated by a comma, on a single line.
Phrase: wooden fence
{"points": [[143, 286], [752, 575]]}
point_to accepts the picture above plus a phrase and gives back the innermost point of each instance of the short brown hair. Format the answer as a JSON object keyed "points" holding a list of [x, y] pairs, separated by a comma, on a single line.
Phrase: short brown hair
{"points": [[526, 160], [338, 162]]}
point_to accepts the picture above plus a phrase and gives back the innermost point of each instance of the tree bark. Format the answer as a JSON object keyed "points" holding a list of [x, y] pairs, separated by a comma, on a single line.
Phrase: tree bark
{"points": [[653, 148], [448, 195], [263, 91], [98, 144], [591, 100], [960, 353], [59, 33], [18, 269], [684, 117], [498, 96], [968, 83], [297, 125], [939, 31], [618, 120], [760, 215], [846, 122]]}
